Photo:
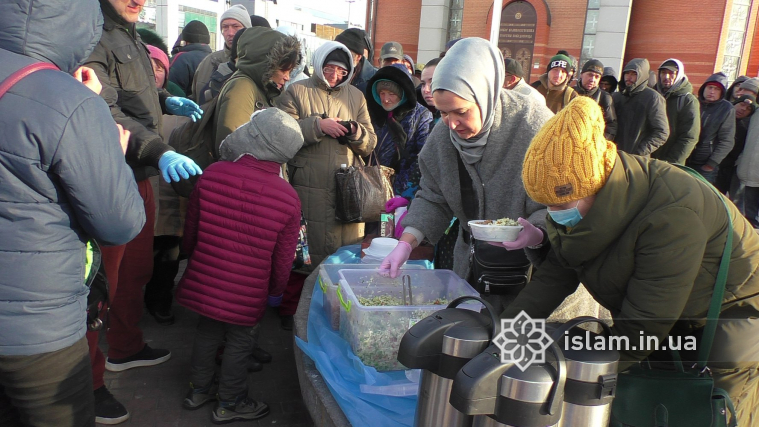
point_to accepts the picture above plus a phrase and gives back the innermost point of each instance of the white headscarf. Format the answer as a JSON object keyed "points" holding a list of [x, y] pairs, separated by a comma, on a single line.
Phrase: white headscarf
{"points": [[473, 70]]}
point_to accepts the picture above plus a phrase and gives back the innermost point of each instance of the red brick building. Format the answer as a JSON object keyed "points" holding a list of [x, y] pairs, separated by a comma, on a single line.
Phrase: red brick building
{"points": [[707, 35]]}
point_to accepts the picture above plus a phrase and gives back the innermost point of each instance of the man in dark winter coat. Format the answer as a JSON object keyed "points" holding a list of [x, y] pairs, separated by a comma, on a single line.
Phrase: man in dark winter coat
{"points": [[64, 182], [717, 128], [195, 40], [587, 85], [554, 84], [641, 115], [734, 91], [123, 66], [682, 112], [355, 40]]}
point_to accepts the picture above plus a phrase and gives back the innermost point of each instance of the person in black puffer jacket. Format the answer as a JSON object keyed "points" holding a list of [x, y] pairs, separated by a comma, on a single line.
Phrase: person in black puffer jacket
{"points": [[642, 125], [682, 112], [587, 85], [717, 128], [195, 48]]}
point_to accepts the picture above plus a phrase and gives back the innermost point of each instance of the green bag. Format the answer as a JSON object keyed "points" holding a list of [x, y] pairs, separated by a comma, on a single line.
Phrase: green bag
{"points": [[648, 397]]}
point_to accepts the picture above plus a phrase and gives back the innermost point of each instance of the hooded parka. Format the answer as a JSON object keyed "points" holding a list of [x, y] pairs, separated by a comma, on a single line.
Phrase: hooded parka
{"points": [[642, 125], [63, 179], [312, 171], [250, 88], [717, 127], [412, 118], [683, 117]]}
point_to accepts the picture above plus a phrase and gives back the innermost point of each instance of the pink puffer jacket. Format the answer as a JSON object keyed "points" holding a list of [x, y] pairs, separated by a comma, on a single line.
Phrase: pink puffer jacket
{"points": [[241, 232]]}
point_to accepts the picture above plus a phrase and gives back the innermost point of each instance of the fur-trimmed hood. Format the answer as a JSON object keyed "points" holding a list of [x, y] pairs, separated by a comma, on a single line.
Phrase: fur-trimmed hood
{"points": [[260, 51]]}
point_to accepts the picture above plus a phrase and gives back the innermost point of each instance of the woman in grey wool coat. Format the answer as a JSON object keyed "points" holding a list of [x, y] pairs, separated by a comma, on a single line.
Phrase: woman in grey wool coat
{"points": [[486, 131]]}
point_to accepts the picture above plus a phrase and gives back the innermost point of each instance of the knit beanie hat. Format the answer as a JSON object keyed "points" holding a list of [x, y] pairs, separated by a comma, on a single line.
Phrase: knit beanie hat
{"points": [[338, 57], [259, 21], [160, 56], [594, 65], [196, 32], [751, 85], [238, 13], [270, 135], [559, 61], [353, 39], [389, 86], [569, 158], [749, 100]]}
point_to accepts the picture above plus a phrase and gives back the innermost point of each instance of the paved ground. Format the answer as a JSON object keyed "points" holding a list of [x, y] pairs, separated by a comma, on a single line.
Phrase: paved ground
{"points": [[154, 395]]}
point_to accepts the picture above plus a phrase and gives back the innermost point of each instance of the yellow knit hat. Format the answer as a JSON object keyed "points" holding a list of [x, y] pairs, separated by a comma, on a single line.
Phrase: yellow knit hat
{"points": [[569, 158]]}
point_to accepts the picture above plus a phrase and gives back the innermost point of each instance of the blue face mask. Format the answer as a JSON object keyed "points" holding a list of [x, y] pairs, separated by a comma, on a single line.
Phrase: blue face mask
{"points": [[567, 217]]}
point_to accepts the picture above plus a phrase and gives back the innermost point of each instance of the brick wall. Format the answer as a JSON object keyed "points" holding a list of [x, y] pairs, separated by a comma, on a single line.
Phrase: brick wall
{"points": [[398, 21], [659, 32]]}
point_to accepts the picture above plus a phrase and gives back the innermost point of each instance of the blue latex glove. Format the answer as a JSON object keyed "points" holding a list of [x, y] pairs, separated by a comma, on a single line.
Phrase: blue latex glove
{"points": [[179, 106], [173, 165], [275, 301]]}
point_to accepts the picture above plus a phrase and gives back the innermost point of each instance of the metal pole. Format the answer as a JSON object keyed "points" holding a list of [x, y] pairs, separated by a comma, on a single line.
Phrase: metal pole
{"points": [[495, 25]]}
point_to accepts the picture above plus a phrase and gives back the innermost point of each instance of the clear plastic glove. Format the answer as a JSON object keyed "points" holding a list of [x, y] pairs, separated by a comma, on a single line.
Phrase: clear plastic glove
{"points": [[529, 236], [395, 260], [173, 165], [179, 106], [275, 301]]}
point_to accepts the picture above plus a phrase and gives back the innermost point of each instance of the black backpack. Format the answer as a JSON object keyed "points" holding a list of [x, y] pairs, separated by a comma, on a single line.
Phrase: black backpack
{"points": [[196, 140]]}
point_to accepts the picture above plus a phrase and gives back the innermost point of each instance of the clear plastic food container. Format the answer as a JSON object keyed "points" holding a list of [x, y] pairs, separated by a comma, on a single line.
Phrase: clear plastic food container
{"points": [[328, 280], [374, 332]]}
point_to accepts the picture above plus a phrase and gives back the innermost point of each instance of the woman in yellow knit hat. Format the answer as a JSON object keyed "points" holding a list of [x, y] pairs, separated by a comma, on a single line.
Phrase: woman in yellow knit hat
{"points": [[646, 239]]}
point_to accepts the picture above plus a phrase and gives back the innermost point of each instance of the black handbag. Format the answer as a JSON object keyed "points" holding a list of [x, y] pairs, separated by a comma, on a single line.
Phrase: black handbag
{"points": [[360, 192], [683, 397], [493, 270]]}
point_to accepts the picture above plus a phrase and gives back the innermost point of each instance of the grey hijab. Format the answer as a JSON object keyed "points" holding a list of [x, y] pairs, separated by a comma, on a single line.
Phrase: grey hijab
{"points": [[473, 70]]}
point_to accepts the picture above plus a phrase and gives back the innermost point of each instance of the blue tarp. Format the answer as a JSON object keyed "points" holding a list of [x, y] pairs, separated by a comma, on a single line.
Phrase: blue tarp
{"points": [[344, 372]]}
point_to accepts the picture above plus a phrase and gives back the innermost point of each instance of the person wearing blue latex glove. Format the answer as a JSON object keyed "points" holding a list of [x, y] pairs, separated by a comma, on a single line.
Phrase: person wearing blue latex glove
{"points": [[275, 301], [174, 165], [179, 106]]}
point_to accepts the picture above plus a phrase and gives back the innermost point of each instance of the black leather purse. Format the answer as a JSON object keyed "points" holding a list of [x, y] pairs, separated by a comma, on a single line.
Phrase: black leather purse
{"points": [[493, 270]]}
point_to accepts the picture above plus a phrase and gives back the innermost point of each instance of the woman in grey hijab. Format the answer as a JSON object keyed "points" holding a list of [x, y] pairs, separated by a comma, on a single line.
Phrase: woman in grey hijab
{"points": [[471, 164]]}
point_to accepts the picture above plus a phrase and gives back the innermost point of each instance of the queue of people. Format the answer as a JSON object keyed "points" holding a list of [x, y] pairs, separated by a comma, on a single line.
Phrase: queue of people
{"points": [[584, 166]]}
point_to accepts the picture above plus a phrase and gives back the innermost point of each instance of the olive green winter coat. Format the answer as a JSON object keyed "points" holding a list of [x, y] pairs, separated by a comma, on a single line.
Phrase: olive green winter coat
{"points": [[649, 251]]}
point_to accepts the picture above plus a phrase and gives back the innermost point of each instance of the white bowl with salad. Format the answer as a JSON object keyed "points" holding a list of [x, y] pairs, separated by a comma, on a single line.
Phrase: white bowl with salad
{"points": [[495, 230]]}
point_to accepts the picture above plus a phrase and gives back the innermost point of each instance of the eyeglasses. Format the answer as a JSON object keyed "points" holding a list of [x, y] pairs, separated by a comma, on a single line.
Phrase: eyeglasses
{"points": [[331, 70]]}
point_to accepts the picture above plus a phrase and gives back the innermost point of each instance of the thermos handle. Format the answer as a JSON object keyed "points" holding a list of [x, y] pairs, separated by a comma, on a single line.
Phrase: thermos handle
{"points": [[555, 400], [491, 311], [577, 321]]}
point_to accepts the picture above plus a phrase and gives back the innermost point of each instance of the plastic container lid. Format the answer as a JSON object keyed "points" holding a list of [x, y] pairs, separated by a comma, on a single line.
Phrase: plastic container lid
{"points": [[381, 247]]}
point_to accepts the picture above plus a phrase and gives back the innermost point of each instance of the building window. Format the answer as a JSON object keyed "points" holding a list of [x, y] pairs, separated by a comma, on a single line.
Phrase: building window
{"points": [[589, 35], [731, 64], [454, 21]]}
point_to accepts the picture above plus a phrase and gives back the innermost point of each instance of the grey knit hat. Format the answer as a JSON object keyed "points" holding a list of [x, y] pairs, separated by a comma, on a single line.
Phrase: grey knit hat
{"points": [[270, 135], [751, 85], [239, 13]]}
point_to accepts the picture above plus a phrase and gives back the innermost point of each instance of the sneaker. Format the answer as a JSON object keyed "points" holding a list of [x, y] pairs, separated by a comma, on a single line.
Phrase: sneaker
{"points": [[287, 323], [246, 409], [198, 397], [261, 355], [108, 410], [163, 317], [145, 357]]}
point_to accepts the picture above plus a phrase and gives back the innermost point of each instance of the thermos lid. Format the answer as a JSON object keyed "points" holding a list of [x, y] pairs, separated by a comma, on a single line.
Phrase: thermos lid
{"points": [[532, 385], [451, 331]]}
